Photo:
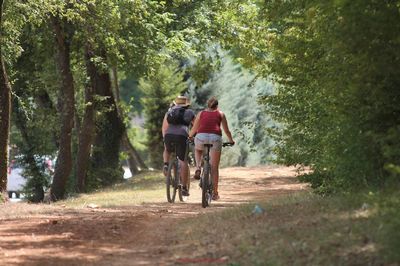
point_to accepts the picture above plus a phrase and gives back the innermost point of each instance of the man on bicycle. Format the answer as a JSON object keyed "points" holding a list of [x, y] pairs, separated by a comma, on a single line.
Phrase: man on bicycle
{"points": [[175, 131]]}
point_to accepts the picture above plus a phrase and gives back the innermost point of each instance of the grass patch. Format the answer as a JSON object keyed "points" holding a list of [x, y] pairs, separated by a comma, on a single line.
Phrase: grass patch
{"points": [[302, 229], [145, 187]]}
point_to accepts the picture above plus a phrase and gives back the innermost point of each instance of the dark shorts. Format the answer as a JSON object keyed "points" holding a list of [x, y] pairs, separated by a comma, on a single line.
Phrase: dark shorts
{"points": [[180, 142]]}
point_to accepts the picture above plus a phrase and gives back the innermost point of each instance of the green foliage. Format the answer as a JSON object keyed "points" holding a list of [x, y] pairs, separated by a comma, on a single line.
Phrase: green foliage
{"points": [[201, 69], [136, 37], [200, 72], [337, 66], [34, 118], [159, 90], [346, 103], [241, 28], [388, 203], [237, 91], [142, 36], [131, 94], [105, 166], [137, 135]]}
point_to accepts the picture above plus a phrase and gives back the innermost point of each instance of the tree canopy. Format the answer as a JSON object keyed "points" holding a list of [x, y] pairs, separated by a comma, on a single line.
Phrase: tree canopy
{"points": [[316, 83], [335, 64]]}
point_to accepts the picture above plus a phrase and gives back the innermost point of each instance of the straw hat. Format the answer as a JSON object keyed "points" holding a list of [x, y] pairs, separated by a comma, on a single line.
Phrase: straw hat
{"points": [[182, 101]]}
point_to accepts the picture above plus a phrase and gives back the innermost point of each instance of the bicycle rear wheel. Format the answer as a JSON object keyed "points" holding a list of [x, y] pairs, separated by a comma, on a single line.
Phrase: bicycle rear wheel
{"points": [[171, 184], [205, 186]]}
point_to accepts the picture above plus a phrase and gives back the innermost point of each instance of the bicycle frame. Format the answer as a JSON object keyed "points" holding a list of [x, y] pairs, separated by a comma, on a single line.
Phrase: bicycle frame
{"points": [[206, 180]]}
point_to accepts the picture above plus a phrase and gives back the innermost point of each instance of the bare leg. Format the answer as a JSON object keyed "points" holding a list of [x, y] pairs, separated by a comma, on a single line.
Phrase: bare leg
{"points": [[166, 155], [184, 172], [215, 157], [198, 157]]}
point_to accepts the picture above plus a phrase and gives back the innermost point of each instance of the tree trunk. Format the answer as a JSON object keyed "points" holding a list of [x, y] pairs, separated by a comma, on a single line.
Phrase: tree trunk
{"points": [[86, 132], [105, 157], [135, 162], [66, 103], [116, 86], [5, 112]]}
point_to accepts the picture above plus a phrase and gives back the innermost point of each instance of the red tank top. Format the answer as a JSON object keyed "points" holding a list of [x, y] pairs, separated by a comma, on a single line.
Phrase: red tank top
{"points": [[210, 122]]}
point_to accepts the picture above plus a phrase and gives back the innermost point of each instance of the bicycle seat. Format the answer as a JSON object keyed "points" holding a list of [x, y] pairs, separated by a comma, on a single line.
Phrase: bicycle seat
{"points": [[208, 145]]}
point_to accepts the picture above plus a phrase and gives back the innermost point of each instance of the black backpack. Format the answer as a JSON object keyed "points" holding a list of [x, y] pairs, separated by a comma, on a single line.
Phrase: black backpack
{"points": [[175, 116]]}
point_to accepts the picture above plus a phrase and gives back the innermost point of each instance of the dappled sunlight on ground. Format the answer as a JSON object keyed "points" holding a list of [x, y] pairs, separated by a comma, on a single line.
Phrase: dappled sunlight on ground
{"points": [[125, 235]]}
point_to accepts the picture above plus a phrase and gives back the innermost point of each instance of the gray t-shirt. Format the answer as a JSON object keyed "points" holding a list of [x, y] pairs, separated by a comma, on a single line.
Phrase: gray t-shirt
{"points": [[181, 129]]}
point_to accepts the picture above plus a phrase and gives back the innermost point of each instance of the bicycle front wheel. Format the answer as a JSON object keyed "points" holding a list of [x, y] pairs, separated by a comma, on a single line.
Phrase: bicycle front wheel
{"points": [[170, 180]]}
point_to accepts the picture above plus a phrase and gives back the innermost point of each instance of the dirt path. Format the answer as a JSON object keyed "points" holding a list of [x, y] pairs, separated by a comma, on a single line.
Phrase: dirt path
{"points": [[132, 235]]}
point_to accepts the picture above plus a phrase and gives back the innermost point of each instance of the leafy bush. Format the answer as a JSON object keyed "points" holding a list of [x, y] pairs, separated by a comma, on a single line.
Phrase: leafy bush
{"points": [[389, 214], [338, 69]]}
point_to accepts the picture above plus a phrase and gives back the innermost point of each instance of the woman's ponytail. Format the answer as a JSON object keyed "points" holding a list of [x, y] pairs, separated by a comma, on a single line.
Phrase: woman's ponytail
{"points": [[212, 103]]}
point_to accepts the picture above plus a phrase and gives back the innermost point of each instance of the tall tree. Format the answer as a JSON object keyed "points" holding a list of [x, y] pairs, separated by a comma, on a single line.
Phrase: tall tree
{"points": [[5, 111], [29, 96], [66, 104], [131, 31], [237, 90], [105, 157], [135, 162], [159, 92], [87, 130], [33, 116]]}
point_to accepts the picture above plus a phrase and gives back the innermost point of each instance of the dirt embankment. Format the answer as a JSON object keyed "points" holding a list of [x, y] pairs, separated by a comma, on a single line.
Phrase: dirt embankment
{"points": [[134, 235]]}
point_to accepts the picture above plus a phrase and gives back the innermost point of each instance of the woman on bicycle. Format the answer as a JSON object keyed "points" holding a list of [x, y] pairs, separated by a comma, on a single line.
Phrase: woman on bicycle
{"points": [[207, 128]]}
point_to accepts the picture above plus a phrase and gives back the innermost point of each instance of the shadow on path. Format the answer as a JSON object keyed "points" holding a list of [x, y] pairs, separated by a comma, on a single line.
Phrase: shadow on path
{"points": [[129, 235]]}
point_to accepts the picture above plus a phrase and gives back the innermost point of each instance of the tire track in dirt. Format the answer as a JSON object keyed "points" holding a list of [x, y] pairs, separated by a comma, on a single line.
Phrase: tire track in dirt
{"points": [[133, 235]]}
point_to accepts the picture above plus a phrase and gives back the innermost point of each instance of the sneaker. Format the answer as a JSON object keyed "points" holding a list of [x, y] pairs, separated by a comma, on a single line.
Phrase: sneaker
{"points": [[197, 174], [215, 196], [165, 170], [185, 191]]}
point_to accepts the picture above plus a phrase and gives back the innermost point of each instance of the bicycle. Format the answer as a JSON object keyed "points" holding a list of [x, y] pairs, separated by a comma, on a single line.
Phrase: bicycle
{"points": [[173, 179], [207, 183]]}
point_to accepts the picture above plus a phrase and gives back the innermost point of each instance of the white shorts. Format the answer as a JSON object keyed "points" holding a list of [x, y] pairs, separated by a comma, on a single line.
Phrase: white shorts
{"points": [[207, 138]]}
